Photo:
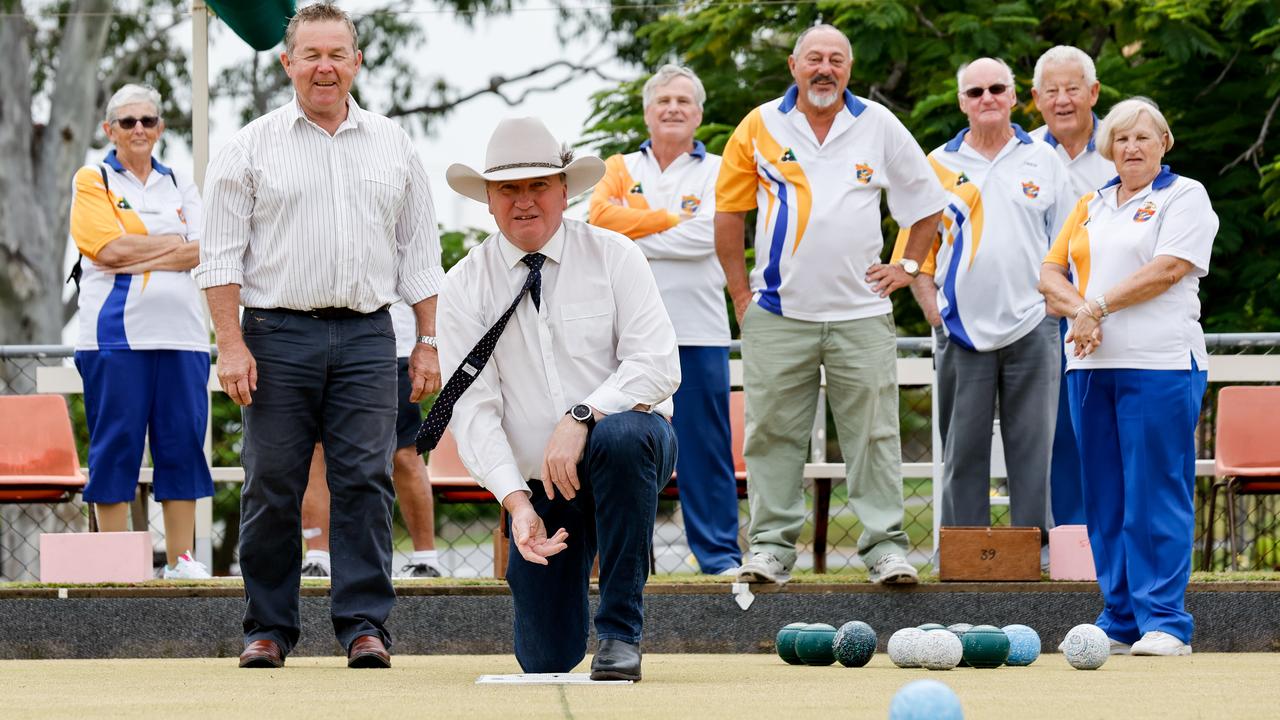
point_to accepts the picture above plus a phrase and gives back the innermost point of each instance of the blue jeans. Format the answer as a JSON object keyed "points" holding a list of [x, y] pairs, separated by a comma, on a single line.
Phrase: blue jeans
{"points": [[332, 381], [628, 458]]}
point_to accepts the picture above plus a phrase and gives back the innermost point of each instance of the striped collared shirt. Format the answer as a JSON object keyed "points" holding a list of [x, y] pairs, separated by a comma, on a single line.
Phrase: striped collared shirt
{"points": [[303, 220]]}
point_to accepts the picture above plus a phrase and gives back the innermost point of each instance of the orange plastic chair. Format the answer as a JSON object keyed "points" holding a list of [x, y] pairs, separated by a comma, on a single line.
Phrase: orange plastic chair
{"points": [[738, 432], [451, 483], [1247, 455], [38, 458]]}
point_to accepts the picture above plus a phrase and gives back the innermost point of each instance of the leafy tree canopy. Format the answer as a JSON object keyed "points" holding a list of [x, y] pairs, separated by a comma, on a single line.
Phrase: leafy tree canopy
{"points": [[1212, 65]]}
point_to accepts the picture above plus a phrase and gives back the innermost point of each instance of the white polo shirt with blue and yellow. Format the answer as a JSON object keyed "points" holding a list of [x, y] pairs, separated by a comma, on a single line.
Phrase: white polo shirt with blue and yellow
{"points": [[1001, 217], [670, 214], [1103, 243], [157, 310], [818, 226], [1089, 170]]}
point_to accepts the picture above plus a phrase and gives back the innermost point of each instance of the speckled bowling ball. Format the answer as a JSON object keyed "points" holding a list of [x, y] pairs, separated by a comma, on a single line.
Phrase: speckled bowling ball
{"points": [[1024, 645], [854, 644]]}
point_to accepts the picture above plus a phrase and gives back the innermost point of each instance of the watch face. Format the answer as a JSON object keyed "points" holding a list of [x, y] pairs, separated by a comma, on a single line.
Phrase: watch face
{"points": [[581, 413]]}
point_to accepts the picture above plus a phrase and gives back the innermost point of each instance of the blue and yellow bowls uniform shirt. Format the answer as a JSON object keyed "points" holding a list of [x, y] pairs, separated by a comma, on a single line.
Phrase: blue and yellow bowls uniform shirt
{"points": [[1103, 242], [818, 226], [158, 310]]}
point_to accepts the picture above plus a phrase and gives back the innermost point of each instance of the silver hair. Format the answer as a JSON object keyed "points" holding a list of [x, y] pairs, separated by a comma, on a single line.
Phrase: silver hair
{"points": [[130, 94], [666, 74], [960, 73], [1065, 55], [795, 52], [1125, 115], [319, 12]]}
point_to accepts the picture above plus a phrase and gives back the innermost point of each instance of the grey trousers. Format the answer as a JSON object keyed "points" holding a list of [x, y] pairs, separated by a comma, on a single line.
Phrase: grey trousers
{"points": [[1022, 379]]}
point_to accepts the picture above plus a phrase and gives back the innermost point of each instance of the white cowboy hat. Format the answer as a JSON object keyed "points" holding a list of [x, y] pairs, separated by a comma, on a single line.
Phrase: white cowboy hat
{"points": [[522, 148]]}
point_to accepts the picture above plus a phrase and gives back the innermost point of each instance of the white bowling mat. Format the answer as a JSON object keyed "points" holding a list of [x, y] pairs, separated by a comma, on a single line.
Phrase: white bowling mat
{"points": [[546, 679]]}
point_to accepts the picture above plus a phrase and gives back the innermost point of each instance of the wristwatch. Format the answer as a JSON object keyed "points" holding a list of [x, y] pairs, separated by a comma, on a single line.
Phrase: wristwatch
{"points": [[428, 340], [911, 266], [583, 414]]}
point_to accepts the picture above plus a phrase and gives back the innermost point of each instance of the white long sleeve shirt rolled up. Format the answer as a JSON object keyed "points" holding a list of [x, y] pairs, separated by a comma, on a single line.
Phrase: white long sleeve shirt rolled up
{"points": [[302, 219], [601, 337]]}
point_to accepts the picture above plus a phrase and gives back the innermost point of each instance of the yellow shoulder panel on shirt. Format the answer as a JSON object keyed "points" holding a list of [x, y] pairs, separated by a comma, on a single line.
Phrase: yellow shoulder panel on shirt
{"points": [[1071, 247], [99, 216], [633, 218]]}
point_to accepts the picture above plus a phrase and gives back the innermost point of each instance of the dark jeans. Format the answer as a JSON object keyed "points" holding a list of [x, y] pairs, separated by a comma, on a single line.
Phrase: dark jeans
{"points": [[332, 381], [629, 457]]}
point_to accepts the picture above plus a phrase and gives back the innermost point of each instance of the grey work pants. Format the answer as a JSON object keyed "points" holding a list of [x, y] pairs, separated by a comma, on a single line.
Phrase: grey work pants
{"points": [[1022, 379]]}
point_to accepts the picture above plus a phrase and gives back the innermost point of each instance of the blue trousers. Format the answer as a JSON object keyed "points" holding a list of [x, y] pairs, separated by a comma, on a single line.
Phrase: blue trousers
{"points": [[629, 457], [129, 394], [708, 489], [1065, 493], [332, 381], [1137, 443]]}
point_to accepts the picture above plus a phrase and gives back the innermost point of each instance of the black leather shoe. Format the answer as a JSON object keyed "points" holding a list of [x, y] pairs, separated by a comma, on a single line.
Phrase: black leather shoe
{"points": [[616, 660]]}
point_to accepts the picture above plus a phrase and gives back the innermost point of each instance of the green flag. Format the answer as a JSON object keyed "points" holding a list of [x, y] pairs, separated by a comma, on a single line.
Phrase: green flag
{"points": [[260, 23]]}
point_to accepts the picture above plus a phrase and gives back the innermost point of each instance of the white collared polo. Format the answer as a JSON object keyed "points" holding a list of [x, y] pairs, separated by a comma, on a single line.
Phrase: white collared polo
{"points": [[156, 310], [670, 214], [818, 226], [1103, 243], [1089, 170], [1000, 218]]}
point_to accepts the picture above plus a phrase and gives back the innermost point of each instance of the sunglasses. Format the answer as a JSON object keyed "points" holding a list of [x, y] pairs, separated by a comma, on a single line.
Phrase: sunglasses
{"points": [[976, 92], [148, 121]]}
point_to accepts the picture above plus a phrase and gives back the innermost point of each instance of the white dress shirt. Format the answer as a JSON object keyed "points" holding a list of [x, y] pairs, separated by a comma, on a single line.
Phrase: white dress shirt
{"points": [[601, 337], [302, 219]]}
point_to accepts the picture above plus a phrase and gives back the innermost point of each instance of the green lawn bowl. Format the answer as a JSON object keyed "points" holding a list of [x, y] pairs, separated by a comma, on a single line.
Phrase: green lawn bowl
{"points": [[854, 644], [786, 643], [813, 644], [985, 646]]}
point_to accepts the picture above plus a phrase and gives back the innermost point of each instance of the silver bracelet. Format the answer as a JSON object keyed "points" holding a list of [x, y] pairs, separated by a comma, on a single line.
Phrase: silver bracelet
{"points": [[1102, 305]]}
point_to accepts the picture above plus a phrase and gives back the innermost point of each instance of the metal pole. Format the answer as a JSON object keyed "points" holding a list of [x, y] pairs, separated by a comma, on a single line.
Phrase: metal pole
{"points": [[200, 159]]}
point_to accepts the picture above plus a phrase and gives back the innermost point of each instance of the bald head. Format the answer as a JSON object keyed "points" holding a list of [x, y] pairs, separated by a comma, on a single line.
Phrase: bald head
{"points": [[830, 32], [985, 67]]}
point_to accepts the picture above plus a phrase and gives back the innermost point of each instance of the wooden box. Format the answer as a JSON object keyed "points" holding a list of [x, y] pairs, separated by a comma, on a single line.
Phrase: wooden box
{"points": [[996, 553]]}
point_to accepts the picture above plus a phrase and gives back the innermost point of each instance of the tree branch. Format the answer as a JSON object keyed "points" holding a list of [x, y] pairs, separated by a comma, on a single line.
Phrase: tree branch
{"points": [[926, 22], [1221, 75], [498, 82], [111, 82], [1251, 152]]}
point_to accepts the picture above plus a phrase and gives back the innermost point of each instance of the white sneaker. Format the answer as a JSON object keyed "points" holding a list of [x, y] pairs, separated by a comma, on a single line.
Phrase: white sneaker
{"points": [[893, 569], [1160, 643], [763, 567], [187, 568]]}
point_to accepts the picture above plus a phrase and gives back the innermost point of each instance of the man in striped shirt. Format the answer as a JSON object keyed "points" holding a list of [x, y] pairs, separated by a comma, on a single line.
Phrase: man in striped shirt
{"points": [[319, 217]]}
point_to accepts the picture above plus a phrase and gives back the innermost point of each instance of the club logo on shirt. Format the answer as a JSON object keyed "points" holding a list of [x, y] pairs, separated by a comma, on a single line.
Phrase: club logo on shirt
{"points": [[181, 217], [123, 204], [1031, 190], [864, 173], [1145, 213], [636, 189], [963, 179], [787, 156], [689, 204]]}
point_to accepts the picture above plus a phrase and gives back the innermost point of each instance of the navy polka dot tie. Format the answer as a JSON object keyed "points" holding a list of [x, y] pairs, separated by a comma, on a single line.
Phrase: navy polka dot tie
{"points": [[441, 412]]}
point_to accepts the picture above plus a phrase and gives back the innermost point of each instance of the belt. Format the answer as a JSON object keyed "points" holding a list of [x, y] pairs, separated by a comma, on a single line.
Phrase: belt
{"points": [[326, 313]]}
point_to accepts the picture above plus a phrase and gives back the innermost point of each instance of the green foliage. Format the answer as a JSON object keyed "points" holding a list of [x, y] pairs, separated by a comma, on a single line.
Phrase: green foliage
{"points": [[1212, 65]]}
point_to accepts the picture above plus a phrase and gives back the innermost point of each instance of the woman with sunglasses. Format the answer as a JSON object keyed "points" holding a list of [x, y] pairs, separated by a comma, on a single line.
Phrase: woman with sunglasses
{"points": [[1125, 271], [143, 347]]}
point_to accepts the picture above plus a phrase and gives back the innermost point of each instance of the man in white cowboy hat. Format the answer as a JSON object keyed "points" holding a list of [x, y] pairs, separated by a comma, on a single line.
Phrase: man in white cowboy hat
{"points": [[561, 363]]}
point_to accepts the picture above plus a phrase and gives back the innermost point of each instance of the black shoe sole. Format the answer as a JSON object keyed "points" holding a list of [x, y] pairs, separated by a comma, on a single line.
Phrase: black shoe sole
{"points": [[261, 662], [368, 660], [614, 675]]}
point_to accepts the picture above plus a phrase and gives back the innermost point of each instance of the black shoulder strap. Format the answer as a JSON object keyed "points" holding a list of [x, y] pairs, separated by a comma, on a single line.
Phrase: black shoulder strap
{"points": [[77, 270]]}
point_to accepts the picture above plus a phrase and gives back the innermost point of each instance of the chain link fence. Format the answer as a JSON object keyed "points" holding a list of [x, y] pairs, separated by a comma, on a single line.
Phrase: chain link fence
{"points": [[465, 531]]}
